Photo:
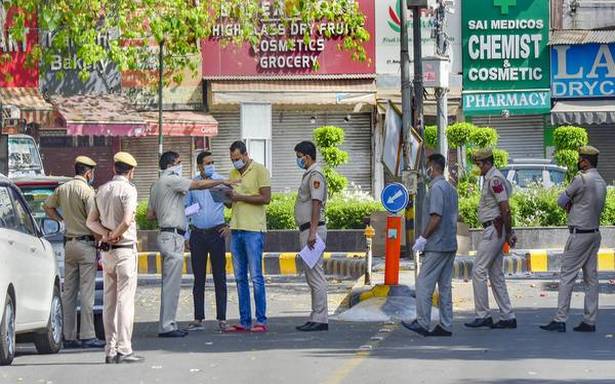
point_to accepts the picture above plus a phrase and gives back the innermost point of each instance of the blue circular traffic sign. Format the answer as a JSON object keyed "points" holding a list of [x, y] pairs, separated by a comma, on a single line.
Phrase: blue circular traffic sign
{"points": [[394, 197]]}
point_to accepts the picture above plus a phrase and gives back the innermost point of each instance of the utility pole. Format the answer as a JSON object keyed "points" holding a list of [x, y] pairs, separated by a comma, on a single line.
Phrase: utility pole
{"points": [[160, 84], [442, 47], [406, 107]]}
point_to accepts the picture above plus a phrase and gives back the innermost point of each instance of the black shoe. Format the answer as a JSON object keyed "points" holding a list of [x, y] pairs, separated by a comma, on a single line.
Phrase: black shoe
{"points": [[111, 359], [92, 343], [175, 333], [505, 324], [315, 327], [439, 331], [584, 327], [555, 326], [415, 327], [477, 323], [306, 325], [129, 359], [72, 344]]}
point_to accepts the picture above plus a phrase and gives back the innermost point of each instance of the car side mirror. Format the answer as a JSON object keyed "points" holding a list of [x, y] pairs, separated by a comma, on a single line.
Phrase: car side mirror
{"points": [[51, 227]]}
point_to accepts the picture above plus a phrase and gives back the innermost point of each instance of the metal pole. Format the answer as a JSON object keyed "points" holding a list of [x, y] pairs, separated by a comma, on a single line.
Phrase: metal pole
{"points": [[418, 117], [442, 93], [160, 84], [406, 107]]}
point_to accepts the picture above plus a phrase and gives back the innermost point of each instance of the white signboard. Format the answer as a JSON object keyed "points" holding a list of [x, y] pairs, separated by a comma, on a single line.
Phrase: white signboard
{"points": [[388, 41]]}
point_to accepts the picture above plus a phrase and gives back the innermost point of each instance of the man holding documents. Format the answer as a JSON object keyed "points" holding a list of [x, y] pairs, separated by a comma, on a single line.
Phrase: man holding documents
{"points": [[310, 218], [166, 204], [207, 238]]}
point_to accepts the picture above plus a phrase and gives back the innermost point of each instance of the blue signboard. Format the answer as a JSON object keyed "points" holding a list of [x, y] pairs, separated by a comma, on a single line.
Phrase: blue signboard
{"points": [[394, 197], [582, 71]]}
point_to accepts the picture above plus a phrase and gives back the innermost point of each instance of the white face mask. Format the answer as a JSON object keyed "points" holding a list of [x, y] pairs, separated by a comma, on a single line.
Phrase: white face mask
{"points": [[239, 164], [176, 169]]}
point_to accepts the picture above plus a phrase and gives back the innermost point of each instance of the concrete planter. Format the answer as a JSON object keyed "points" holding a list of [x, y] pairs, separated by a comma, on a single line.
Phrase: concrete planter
{"points": [[280, 241], [546, 237]]}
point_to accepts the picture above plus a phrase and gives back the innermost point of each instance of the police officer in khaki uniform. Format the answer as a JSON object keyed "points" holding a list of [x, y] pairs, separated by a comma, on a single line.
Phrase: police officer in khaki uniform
{"points": [[310, 218], [166, 204], [75, 199], [495, 217], [584, 201], [113, 218]]}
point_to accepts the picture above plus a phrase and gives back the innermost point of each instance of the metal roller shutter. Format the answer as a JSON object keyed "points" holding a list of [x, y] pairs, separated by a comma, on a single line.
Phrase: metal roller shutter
{"points": [[289, 128], [521, 136], [229, 130], [145, 151], [603, 138]]}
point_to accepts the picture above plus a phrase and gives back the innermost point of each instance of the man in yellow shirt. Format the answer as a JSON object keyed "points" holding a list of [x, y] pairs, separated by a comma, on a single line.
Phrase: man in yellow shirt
{"points": [[248, 227]]}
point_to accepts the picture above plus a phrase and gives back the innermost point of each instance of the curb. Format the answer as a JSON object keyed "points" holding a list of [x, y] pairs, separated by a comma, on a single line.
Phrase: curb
{"points": [[550, 260], [379, 290], [349, 264]]}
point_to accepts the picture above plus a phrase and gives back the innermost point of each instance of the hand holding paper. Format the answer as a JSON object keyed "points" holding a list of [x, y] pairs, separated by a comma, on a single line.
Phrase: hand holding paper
{"points": [[311, 256]]}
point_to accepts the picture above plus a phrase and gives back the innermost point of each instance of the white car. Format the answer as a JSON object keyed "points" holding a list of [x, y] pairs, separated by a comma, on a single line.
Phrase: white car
{"points": [[30, 303], [525, 172]]}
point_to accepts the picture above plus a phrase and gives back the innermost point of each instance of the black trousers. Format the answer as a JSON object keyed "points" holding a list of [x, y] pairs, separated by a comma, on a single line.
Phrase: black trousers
{"points": [[203, 244]]}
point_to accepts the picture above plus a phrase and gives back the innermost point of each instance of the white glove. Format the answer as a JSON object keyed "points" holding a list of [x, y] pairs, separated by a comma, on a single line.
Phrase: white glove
{"points": [[419, 244]]}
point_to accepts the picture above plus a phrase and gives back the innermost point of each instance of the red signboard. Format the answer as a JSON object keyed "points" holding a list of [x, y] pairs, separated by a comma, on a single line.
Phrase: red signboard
{"points": [[287, 54], [13, 53]]}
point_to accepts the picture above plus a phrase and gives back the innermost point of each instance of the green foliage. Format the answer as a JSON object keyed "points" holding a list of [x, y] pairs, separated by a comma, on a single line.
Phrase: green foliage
{"points": [[280, 212], [327, 139], [569, 138], [500, 157], [141, 217], [349, 213], [431, 136], [483, 137], [608, 215], [458, 134], [567, 158], [468, 208]]}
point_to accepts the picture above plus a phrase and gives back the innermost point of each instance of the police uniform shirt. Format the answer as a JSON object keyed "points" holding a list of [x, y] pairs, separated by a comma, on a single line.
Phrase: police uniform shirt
{"points": [[587, 193], [313, 187], [495, 190], [75, 198], [167, 198], [112, 200]]}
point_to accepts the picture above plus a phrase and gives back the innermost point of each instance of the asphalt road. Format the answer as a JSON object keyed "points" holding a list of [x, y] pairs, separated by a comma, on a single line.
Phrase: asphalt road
{"points": [[349, 352]]}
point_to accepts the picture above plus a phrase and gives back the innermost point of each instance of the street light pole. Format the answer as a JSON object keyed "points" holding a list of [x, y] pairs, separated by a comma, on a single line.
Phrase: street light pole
{"points": [[442, 93], [160, 84]]}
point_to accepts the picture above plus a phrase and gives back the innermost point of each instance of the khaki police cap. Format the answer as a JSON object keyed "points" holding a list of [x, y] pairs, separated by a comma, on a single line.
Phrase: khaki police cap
{"points": [[589, 151], [482, 154], [85, 161], [126, 158]]}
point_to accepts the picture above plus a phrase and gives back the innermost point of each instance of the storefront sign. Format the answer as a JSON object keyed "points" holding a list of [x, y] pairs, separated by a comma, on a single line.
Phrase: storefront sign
{"points": [[388, 25], [522, 102], [580, 71], [505, 50], [15, 70], [286, 52]]}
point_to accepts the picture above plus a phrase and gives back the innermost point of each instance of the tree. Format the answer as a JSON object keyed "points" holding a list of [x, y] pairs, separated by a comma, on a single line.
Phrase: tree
{"points": [[567, 140], [328, 138]]}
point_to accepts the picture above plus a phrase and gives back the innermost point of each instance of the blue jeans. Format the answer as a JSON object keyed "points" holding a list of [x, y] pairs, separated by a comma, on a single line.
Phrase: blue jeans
{"points": [[247, 249]]}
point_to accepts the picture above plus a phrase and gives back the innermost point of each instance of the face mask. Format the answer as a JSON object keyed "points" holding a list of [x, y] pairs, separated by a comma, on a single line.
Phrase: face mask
{"points": [[91, 181], [301, 162], [209, 170], [579, 167], [176, 169], [429, 173], [239, 164]]}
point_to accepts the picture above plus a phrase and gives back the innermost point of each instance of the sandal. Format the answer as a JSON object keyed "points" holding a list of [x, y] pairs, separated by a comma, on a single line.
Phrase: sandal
{"points": [[259, 328], [236, 329]]}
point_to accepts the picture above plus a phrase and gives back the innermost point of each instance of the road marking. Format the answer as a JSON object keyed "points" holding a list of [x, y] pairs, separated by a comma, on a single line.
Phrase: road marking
{"points": [[363, 352]]}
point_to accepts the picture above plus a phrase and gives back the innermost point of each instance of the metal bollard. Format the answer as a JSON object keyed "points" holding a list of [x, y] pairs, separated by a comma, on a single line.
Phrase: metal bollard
{"points": [[369, 234]]}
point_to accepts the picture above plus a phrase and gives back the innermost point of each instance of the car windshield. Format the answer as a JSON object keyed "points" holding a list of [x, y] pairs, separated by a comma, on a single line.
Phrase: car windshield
{"points": [[23, 154], [524, 177], [557, 177], [36, 198]]}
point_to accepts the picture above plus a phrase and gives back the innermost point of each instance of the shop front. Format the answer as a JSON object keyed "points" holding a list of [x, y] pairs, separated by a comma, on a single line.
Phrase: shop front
{"points": [[583, 87], [506, 82]]}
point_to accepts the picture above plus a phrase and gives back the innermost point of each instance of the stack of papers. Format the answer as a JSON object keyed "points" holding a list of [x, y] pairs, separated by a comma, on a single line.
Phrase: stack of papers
{"points": [[311, 256]]}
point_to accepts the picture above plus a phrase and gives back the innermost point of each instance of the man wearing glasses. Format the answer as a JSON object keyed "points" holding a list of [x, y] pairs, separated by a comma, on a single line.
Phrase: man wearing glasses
{"points": [[207, 238]]}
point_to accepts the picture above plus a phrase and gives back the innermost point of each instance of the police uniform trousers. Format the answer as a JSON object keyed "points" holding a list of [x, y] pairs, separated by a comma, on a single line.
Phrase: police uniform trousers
{"points": [[120, 274], [316, 280], [436, 267], [581, 252], [171, 247], [79, 283], [488, 264]]}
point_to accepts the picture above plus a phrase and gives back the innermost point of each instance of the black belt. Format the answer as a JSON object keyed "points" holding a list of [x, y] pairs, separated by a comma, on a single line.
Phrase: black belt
{"points": [[81, 238], [122, 246], [578, 230], [215, 229], [306, 226], [488, 224], [180, 232]]}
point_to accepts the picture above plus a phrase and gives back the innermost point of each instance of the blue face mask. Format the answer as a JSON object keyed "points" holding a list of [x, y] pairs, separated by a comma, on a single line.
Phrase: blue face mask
{"points": [[301, 162], [239, 164], [91, 182], [209, 170]]}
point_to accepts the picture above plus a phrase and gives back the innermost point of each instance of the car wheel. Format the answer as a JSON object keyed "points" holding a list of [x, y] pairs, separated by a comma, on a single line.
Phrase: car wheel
{"points": [[99, 327], [50, 341], [7, 332]]}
